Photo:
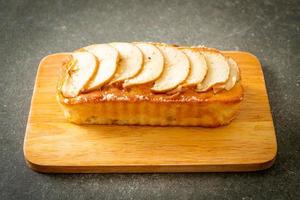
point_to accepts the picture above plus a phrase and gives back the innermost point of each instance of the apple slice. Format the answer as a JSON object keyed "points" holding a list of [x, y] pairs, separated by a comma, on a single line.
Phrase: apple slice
{"points": [[234, 74], [79, 71], [152, 67], [131, 60], [108, 58], [198, 66], [176, 69], [218, 70]]}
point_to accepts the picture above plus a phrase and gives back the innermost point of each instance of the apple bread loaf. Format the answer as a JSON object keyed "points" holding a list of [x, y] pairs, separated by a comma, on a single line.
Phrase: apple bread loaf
{"points": [[149, 84]]}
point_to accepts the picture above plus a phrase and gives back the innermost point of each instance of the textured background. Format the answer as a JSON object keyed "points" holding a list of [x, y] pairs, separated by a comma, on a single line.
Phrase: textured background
{"points": [[29, 30]]}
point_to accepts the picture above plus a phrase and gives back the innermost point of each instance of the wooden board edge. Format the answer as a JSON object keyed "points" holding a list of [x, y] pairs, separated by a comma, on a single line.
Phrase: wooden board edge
{"points": [[150, 169], [247, 167]]}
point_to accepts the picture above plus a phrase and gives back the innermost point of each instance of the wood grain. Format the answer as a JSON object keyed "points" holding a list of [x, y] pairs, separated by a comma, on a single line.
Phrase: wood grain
{"points": [[53, 145]]}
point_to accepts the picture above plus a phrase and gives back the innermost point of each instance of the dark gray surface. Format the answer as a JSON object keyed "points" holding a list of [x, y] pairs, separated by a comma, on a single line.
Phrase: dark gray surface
{"points": [[30, 30]]}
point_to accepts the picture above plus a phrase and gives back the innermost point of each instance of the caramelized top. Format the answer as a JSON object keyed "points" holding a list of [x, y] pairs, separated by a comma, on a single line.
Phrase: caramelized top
{"points": [[143, 93]]}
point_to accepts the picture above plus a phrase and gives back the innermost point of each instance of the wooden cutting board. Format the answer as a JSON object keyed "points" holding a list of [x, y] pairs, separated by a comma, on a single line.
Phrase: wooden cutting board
{"points": [[54, 145]]}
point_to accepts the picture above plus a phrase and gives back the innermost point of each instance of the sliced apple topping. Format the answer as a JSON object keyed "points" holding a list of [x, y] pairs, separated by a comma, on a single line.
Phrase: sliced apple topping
{"points": [[152, 67], [198, 65], [79, 70], [130, 63], [176, 69], [234, 74], [108, 58], [218, 71]]}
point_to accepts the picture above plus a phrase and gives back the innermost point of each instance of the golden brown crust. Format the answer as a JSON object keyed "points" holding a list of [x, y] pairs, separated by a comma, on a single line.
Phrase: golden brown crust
{"points": [[117, 106], [143, 93], [152, 113]]}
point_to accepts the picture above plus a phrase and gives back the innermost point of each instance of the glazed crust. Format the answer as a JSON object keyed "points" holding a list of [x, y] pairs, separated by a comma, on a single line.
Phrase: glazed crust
{"points": [[138, 106]]}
